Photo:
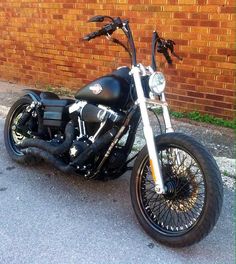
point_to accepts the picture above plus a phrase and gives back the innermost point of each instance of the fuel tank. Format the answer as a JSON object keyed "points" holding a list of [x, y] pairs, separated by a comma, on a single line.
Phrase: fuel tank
{"points": [[110, 90]]}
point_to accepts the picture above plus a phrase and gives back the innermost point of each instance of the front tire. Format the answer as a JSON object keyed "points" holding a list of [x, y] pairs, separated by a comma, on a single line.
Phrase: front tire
{"points": [[192, 204]]}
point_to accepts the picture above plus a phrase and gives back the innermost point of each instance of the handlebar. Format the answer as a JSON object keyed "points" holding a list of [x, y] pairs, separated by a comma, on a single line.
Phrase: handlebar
{"points": [[154, 42], [105, 30], [109, 29], [92, 35], [158, 44]]}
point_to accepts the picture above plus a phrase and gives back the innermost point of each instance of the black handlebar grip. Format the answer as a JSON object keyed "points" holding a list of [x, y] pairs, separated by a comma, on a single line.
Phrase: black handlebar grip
{"points": [[92, 35]]}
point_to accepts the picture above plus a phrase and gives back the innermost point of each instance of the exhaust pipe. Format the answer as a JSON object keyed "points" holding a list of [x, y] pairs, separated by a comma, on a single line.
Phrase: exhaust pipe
{"points": [[87, 154], [49, 158], [54, 150], [94, 148]]}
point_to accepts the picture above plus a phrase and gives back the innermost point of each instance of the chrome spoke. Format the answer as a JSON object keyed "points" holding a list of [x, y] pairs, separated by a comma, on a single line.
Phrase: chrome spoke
{"points": [[180, 208]]}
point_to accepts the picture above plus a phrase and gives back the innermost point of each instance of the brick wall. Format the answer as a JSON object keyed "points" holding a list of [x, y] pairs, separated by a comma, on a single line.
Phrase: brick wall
{"points": [[40, 43]]}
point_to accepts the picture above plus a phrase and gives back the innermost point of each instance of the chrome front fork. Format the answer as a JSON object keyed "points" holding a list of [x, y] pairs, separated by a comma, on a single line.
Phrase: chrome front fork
{"points": [[166, 115], [148, 133]]}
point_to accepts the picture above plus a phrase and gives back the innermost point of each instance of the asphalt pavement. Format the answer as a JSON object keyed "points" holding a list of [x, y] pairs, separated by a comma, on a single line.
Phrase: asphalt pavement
{"points": [[50, 217]]}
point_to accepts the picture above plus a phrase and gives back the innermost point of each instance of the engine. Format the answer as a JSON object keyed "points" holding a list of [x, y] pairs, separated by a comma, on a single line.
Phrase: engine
{"points": [[75, 136], [93, 121], [97, 127], [94, 114], [79, 147]]}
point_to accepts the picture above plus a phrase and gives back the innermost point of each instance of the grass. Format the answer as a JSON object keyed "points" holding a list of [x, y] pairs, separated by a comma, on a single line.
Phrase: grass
{"points": [[225, 173], [210, 119]]}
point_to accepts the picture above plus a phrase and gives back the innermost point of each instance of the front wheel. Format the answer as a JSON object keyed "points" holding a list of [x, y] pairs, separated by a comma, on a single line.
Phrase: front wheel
{"points": [[190, 208]]}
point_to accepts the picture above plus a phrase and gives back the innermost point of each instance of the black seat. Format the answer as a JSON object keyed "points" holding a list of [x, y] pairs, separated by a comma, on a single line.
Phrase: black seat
{"points": [[48, 95]]}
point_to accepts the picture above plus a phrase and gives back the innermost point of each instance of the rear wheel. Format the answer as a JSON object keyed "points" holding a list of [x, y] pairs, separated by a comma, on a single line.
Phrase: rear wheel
{"points": [[189, 209], [12, 136]]}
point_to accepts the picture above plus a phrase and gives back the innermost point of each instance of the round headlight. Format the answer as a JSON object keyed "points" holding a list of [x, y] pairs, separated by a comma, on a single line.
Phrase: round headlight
{"points": [[157, 82]]}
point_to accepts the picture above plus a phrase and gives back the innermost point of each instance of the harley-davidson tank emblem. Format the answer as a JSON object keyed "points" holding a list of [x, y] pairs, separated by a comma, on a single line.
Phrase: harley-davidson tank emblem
{"points": [[96, 88]]}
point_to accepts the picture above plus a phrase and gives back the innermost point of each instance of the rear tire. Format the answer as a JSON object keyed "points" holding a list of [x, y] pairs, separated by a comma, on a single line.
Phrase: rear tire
{"points": [[194, 199], [11, 138]]}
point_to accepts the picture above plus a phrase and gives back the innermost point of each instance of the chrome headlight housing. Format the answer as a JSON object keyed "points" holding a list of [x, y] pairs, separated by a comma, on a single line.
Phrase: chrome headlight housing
{"points": [[157, 83]]}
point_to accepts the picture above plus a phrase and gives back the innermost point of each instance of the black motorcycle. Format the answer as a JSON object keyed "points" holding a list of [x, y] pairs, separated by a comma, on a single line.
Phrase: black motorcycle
{"points": [[176, 187]]}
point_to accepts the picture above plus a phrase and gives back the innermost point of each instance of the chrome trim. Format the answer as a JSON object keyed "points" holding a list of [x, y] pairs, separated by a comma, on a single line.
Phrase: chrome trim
{"points": [[82, 130], [93, 138], [155, 102], [77, 106], [166, 114], [148, 132]]}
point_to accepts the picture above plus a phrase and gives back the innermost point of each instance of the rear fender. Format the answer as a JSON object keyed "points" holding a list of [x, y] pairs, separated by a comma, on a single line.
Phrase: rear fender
{"points": [[37, 96]]}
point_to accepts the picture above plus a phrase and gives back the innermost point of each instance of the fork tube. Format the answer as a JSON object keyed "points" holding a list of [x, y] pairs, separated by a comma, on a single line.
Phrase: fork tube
{"points": [[148, 133], [166, 115]]}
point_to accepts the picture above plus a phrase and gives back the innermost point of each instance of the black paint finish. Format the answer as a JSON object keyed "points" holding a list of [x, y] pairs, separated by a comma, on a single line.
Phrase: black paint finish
{"points": [[115, 92]]}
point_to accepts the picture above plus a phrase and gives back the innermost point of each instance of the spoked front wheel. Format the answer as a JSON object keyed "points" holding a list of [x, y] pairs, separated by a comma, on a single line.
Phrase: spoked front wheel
{"points": [[189, 209]]}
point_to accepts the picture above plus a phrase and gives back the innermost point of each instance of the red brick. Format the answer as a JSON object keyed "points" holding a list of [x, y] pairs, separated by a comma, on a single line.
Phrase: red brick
{"points": [[227, 9], [198, 16], [189, 22], [195, 94], [226, 78], [215, 84], [186, 99], [203, 101], [68, 5], [206, 76], [227, 52], [212, 109], [180, 15], [45, 43], [198, 56], [57, 16], [209, 23], [214, 97], [201, 2], [189, 74], [223, 105], [218, 58], [187, 86], [195, 82]]}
